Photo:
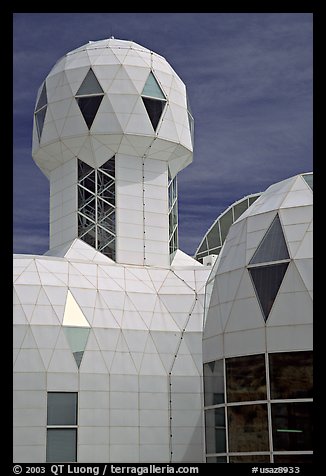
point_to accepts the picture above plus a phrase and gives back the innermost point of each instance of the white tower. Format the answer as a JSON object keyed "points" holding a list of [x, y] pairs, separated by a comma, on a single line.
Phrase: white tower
{"points": [[112, 129], [108, 323]]}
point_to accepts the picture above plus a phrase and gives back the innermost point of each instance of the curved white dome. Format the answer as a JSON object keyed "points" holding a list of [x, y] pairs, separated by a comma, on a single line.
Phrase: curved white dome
{"points": [[107, 97], [259, 294]]}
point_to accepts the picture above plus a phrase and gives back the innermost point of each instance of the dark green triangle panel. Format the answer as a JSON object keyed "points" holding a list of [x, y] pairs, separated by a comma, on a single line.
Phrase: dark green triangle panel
{"points": [[267, 281]]}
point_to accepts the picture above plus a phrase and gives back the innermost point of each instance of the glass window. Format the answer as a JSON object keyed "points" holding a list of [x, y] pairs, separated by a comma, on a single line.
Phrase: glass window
{"points": [[252, 200], [77, 338], [61, 445], [154, 108], [213, 381], [40, 118], [292, 426], [293, 459], [267, 281], [43, 100], [273, 246], [90, 85], [245, 378], [291, 374], [216, 459], [240, 208], [213, 237], [89, 106], [248, 428], [62, 408], [96, 206], [215, 430], [309, 178], [250, 459], [225, 222], [152, 88]]}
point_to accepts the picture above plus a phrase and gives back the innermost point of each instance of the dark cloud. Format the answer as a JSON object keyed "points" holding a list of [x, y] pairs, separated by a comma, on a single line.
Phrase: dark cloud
{"points": [[249, 78]]}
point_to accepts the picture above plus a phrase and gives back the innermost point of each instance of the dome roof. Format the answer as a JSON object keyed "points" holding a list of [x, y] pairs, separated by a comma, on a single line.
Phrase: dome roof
{"points": [[259, 293]]}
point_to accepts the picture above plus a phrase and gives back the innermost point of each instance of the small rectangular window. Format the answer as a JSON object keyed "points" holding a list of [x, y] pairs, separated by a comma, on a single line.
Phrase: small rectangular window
{"points": [[61, 427]]}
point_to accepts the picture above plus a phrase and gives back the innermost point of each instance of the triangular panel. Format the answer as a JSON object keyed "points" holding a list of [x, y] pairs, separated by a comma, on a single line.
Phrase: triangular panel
{"points": [[154, 108], [267, 281], [43, 100], [273, 246], [90, 85], [89, 106], [73, 315], [77, 338], [152, 88]]}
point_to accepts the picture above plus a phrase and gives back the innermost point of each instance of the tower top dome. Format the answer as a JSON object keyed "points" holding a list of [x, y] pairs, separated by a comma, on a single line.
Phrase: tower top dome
{"points": [[112, 97]]}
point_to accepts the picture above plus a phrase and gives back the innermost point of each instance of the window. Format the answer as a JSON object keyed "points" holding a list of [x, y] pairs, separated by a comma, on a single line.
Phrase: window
{"points": [[267, 277], [96, 206], [292, 427], [40, 111], [154, 100], [213, 383], [61, 443], [215, 430], [191, 122], [248, 428], [246, 379], [309, 178], [173, 215], [291, 374], [267, 281], [89, 97], [250, 459]]}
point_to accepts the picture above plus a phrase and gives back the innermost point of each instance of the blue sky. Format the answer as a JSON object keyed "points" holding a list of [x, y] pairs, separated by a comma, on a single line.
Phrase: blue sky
{"points": [[249, 80]]}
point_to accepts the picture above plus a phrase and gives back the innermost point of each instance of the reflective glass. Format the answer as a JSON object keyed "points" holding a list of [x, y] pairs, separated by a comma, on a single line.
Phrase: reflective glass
{"points": [[292, 426], [77, 338], [154, 108], [249, 459], [83, 169], [225, 222], [267, 281], [40, 117], [90, 85], [273, 246], [240, 208], [215, 430], [248, 428], [252, 200], [213, 237], [62, 408], [61, 445], [152, 88], [309, 178], [109, 167], [43, 100], [291, 374], [213, 380], [89, 106], [245, 378]]}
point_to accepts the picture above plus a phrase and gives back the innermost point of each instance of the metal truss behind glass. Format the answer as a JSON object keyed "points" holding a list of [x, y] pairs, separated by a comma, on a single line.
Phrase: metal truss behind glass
{"points": [[173, 216], [96, 206]]}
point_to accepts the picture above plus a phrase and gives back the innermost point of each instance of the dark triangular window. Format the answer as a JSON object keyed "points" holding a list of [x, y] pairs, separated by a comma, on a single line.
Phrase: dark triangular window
{"points": [[267, 281], [89, 97], [42, 100], [154, 108], [153, 99], [273, 246], [40, 111], [89, 106]]}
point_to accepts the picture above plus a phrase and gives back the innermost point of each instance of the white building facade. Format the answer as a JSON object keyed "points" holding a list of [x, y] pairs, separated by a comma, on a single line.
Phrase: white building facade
{"points": [[258, 333], [108, 323]]}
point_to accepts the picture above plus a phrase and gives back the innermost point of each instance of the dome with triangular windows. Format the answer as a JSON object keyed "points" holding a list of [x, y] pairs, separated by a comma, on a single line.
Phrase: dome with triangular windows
{"points": [[112, 97]]}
